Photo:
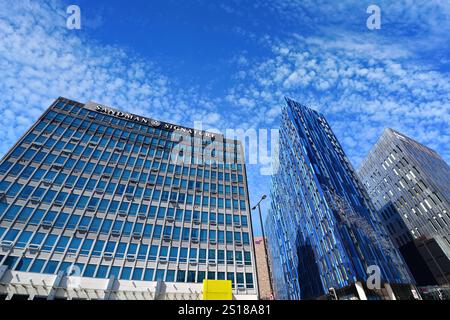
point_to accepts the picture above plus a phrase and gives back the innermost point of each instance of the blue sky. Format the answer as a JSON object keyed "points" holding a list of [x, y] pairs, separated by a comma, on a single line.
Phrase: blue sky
{"points": [[230, 63]]}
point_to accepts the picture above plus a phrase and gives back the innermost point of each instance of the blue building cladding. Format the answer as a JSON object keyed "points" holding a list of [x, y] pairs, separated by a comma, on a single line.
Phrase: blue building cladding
{"points": [[321, 227], [96, 189]]}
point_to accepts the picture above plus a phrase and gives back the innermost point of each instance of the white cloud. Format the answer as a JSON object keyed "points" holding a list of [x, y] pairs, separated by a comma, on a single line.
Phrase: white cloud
{"points": [[41, 60], [361, 81], [358, 90]]}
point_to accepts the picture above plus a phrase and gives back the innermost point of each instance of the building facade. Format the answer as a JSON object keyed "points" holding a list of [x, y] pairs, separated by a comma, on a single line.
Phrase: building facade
{"points": [[96, 203], [263, 269], [322, 232], [409, 186]]}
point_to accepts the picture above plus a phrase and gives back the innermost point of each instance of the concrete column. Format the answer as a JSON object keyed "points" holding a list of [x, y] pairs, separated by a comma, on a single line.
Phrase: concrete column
{"points": [[360, 289], [110, 287], [55, 285], [158, 289], [2, 271]]}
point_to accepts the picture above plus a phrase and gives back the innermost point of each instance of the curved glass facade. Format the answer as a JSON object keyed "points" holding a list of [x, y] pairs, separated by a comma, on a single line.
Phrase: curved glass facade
{"points": [[322, 231]]}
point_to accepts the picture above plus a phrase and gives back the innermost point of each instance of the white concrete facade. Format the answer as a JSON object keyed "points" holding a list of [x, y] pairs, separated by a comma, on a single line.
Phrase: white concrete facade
{"points": [[61, 286]]}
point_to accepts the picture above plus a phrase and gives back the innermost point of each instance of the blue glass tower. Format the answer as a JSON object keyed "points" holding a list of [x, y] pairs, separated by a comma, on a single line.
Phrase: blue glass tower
{"points": [[114, 204], [322, 231]]}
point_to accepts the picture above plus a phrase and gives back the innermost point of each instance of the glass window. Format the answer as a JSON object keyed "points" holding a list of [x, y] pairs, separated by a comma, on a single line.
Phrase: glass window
{"points": [[102, 272], [89, 271], [249, 280], [87, 245], [74, 245], [121, 248], [173, 254], [12, 213], [181, 276], [62, 244], [148, 275], [114, 272], [183, 254], [201, 276], [137, 274], [157, 231], [191, 276], [98, 248], [11, 235], [170, 276], [160, 274], [153, 253], [23, 264], [61, 220], [37, 265], [51, 267], [126, 273], [38, 238], [147, 231]]}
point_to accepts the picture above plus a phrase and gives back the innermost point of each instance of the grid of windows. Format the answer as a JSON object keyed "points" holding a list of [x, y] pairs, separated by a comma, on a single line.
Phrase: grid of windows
{"points": [[102, 193], [408, 184]]}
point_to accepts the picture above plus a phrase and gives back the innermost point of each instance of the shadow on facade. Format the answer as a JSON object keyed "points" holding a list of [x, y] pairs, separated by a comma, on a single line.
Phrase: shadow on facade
{"points": [[308, 271], [410, 252]]}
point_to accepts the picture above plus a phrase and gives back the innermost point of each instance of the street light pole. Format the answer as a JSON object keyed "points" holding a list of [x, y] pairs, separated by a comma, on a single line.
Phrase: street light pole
{"points": [[258, 205]]}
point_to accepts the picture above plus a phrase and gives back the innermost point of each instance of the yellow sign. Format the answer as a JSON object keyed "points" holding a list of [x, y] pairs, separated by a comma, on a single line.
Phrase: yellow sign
{"points": [[217, 290]]}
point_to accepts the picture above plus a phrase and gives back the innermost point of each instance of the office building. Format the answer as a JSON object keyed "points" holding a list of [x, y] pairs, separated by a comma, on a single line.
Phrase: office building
{"points": [[98, 203], [323, 236], [409, 186]]}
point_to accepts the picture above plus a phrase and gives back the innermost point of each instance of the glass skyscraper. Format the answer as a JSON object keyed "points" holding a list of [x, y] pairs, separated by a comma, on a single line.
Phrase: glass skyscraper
{"points": [[409, 186], [96, 203], [322, 231]]}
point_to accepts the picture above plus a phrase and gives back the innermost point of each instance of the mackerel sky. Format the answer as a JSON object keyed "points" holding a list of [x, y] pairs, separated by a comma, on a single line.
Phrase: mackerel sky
{"points": [[230, 63]]}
